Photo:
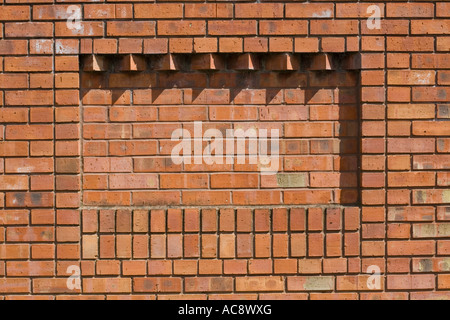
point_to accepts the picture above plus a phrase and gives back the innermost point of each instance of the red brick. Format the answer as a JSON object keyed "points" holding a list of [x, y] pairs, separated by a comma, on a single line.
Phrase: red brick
{"points": [[158, 11], [178, 28], [130, 28], [236, 27], [411, 282], [309, 10], [157, 284]]}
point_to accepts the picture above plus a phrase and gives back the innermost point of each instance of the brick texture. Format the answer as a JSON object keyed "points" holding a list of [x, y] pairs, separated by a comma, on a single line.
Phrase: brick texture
{"points": [[87, 181]]}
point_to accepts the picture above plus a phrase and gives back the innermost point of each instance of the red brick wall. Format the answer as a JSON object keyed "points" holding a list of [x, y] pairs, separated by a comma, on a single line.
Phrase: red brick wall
{"points": [[87, 179]]}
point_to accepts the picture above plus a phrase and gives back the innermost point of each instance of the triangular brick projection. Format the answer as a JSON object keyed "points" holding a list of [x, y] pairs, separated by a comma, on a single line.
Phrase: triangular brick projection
{"points": [[220, 61], [132, 62], [282, 62], [208, 61]]}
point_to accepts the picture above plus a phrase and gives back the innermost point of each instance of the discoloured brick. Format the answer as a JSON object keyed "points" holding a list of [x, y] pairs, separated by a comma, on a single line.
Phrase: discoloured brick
{"points": [[310, 283]]}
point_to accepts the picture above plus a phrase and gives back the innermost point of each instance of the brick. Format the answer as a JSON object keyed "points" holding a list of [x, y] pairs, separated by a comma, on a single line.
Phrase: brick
{"points": [[15, 285], [434, 26], [397, 77], [13, 148], [249, 284], [426, 61], [30, 234], [306, 45], [338, 44], [158, 11], [411, 248], [280, 44], [260, 266], [411, 111], [431, 230], [28, 64], [209, 10], [13, 47], [14, 251], [443, 281], [442, 44], [424, 162], [236, 27], [178, 28], [15, 13], [208, 284], [410, 44], [29, 132], [205, 45], [180, 45], [333, 27], [88, 29], [28, 29], [107, 285], [155, 46], [413, 282], [130, 28], [428, 128], [310, 283], [411, 145], [134, 268], [157, 284], [52, 12], [256, 44], [356, 10], [287, 27], [30, 268], [309, 10], [139, 181], [401, 10], [410, 179], [350, 283], [94, 11], [130, 46], [14, 217], [263, 10], [48, 285], [35, 165]]}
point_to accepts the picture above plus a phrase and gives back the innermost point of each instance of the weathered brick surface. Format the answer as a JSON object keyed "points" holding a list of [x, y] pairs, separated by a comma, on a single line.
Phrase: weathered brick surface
{"points": [[87, 179]]}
